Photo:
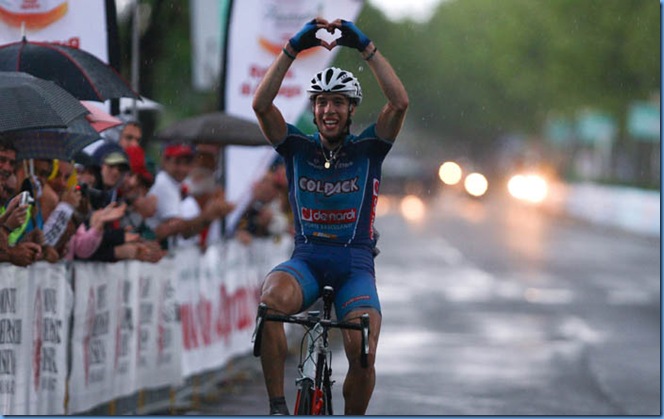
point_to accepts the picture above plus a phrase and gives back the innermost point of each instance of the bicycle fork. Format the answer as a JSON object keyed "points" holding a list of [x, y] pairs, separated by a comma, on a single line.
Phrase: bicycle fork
{"points": [[314, 379]]}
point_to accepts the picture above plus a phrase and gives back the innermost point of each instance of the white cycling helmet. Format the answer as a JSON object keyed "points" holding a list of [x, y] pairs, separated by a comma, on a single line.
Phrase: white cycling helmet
{"points": [[336, 80]]}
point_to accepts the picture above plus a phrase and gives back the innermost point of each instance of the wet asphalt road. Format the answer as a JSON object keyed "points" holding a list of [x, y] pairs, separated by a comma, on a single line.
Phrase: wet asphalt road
{"points": [[492, 308]]}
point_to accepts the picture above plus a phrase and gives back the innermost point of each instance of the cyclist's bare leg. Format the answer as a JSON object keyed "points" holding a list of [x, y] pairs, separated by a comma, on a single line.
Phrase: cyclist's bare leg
{"points": [[359, 382], [280, 292]]}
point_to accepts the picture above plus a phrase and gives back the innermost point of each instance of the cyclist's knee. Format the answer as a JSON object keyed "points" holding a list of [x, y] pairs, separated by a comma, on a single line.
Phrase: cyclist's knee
{"points": [[281, 292]]}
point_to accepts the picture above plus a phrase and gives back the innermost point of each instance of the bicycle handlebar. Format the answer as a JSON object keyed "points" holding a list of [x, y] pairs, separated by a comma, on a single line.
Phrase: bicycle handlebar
{"points": [[311, 321]]}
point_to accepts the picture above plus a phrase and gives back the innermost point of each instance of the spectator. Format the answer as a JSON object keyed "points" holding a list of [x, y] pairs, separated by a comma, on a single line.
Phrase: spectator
{"points": [[135, 193], [131, 134], [201, 189], [62, 219], [168, 223], [87, 172], [12, 215], [34, 180], [116, 243], [113, 165], [88, 237], [264, 216]]}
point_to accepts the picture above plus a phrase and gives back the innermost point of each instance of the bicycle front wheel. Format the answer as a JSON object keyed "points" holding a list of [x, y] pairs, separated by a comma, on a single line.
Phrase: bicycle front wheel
{"points": [[304, 399]]}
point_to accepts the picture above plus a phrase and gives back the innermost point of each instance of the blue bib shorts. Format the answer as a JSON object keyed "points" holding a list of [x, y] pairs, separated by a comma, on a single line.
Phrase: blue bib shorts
{"points": [[349, 270]]}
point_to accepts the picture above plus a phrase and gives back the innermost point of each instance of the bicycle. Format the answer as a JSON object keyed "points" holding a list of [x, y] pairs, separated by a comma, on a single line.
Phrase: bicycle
{"points": [[314, 385]]}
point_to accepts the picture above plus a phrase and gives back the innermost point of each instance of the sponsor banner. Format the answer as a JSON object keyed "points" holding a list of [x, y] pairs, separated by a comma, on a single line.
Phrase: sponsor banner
{"points": [[258, 31], [50, 301], [218, 296], [239, 294], [126, 331], [208, 17], [15, 346], [76, 23], [93, 334], [125, 338], [158, 328], [195, 303]]}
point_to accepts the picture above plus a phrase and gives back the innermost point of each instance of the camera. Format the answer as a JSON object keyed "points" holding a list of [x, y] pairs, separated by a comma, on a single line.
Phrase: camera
{"points": [[97, 198], [26, 198]]}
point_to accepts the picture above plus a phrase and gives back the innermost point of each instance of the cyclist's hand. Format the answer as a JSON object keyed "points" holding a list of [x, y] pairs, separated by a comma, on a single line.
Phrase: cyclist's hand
{"points": [[351, 36], [306, 38]]}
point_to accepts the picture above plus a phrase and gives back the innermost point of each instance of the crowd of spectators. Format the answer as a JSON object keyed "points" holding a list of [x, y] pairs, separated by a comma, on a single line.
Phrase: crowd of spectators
{"points": [[114, 204]]}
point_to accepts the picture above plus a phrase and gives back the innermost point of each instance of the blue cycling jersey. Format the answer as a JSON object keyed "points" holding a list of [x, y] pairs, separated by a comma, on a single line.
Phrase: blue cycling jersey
{"points": [[335, 205]]}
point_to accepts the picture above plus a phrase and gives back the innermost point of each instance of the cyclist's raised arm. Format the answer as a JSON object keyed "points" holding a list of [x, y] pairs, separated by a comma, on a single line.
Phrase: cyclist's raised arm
{"points": [[393, 113], [269, 116]]}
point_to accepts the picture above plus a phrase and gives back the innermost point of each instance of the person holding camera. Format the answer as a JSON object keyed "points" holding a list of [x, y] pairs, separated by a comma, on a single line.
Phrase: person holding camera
{"points": [[14, 211]]}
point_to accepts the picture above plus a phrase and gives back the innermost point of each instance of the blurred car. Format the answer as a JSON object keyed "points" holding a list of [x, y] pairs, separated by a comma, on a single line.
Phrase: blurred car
{"points": [[406, 175]]}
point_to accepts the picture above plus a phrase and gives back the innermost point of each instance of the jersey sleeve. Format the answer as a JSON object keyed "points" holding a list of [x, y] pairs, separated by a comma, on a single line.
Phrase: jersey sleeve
{"points": [[285, 148], [379, 146]]}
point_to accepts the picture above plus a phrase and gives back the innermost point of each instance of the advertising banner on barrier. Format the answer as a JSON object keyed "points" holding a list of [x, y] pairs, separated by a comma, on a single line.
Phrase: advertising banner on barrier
{"points": [[50, 301], [93, 334], [159, 343], [35, 305], [135, 325], [239, 295], [14, 346], [125, 338], [218, 300]]}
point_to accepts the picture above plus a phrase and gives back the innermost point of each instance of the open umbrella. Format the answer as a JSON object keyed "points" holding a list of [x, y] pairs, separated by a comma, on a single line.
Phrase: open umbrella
{"points": [[53, 143], [28, 102], [214, 127], [100, 120], [80, 73]]}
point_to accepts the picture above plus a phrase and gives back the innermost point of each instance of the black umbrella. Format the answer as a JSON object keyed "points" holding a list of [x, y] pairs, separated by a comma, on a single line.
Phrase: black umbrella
{"points": [[215, 128], [53, 143], [28, 102], [80, 73]]}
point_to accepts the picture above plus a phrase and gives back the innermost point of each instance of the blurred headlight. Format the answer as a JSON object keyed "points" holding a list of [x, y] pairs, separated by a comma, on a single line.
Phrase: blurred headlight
{"points": [[450, 173], [529, 188], [412, 208], [476, 184]]}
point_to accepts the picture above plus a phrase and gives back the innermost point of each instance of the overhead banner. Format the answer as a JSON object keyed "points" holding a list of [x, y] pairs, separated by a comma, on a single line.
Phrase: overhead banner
{"points": [[75, 23], [258, 30]]}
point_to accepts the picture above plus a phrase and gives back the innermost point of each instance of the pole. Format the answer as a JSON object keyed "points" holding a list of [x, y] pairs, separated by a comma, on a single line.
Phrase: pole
{"points": [[222, 103], [135, 55], [113, 43]]}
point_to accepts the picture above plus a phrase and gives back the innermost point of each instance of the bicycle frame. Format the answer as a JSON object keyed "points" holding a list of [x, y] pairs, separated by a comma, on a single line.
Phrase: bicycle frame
{"points": [[314, 385]]}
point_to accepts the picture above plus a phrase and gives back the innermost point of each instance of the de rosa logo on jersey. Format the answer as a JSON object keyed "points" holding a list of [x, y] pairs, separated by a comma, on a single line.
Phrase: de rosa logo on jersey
{"points": [[329, 216]]}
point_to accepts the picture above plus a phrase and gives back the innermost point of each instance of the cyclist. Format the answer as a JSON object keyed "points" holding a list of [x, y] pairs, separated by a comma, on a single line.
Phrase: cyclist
{"points": [[333, 179]]}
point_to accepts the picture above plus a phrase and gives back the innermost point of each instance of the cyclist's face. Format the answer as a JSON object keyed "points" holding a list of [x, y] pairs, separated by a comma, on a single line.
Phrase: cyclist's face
{"points": [[331, 113]]}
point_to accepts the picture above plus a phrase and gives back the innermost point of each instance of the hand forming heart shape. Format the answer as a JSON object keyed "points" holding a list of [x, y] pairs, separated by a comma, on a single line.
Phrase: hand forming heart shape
{"points": [[328, 32]]}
